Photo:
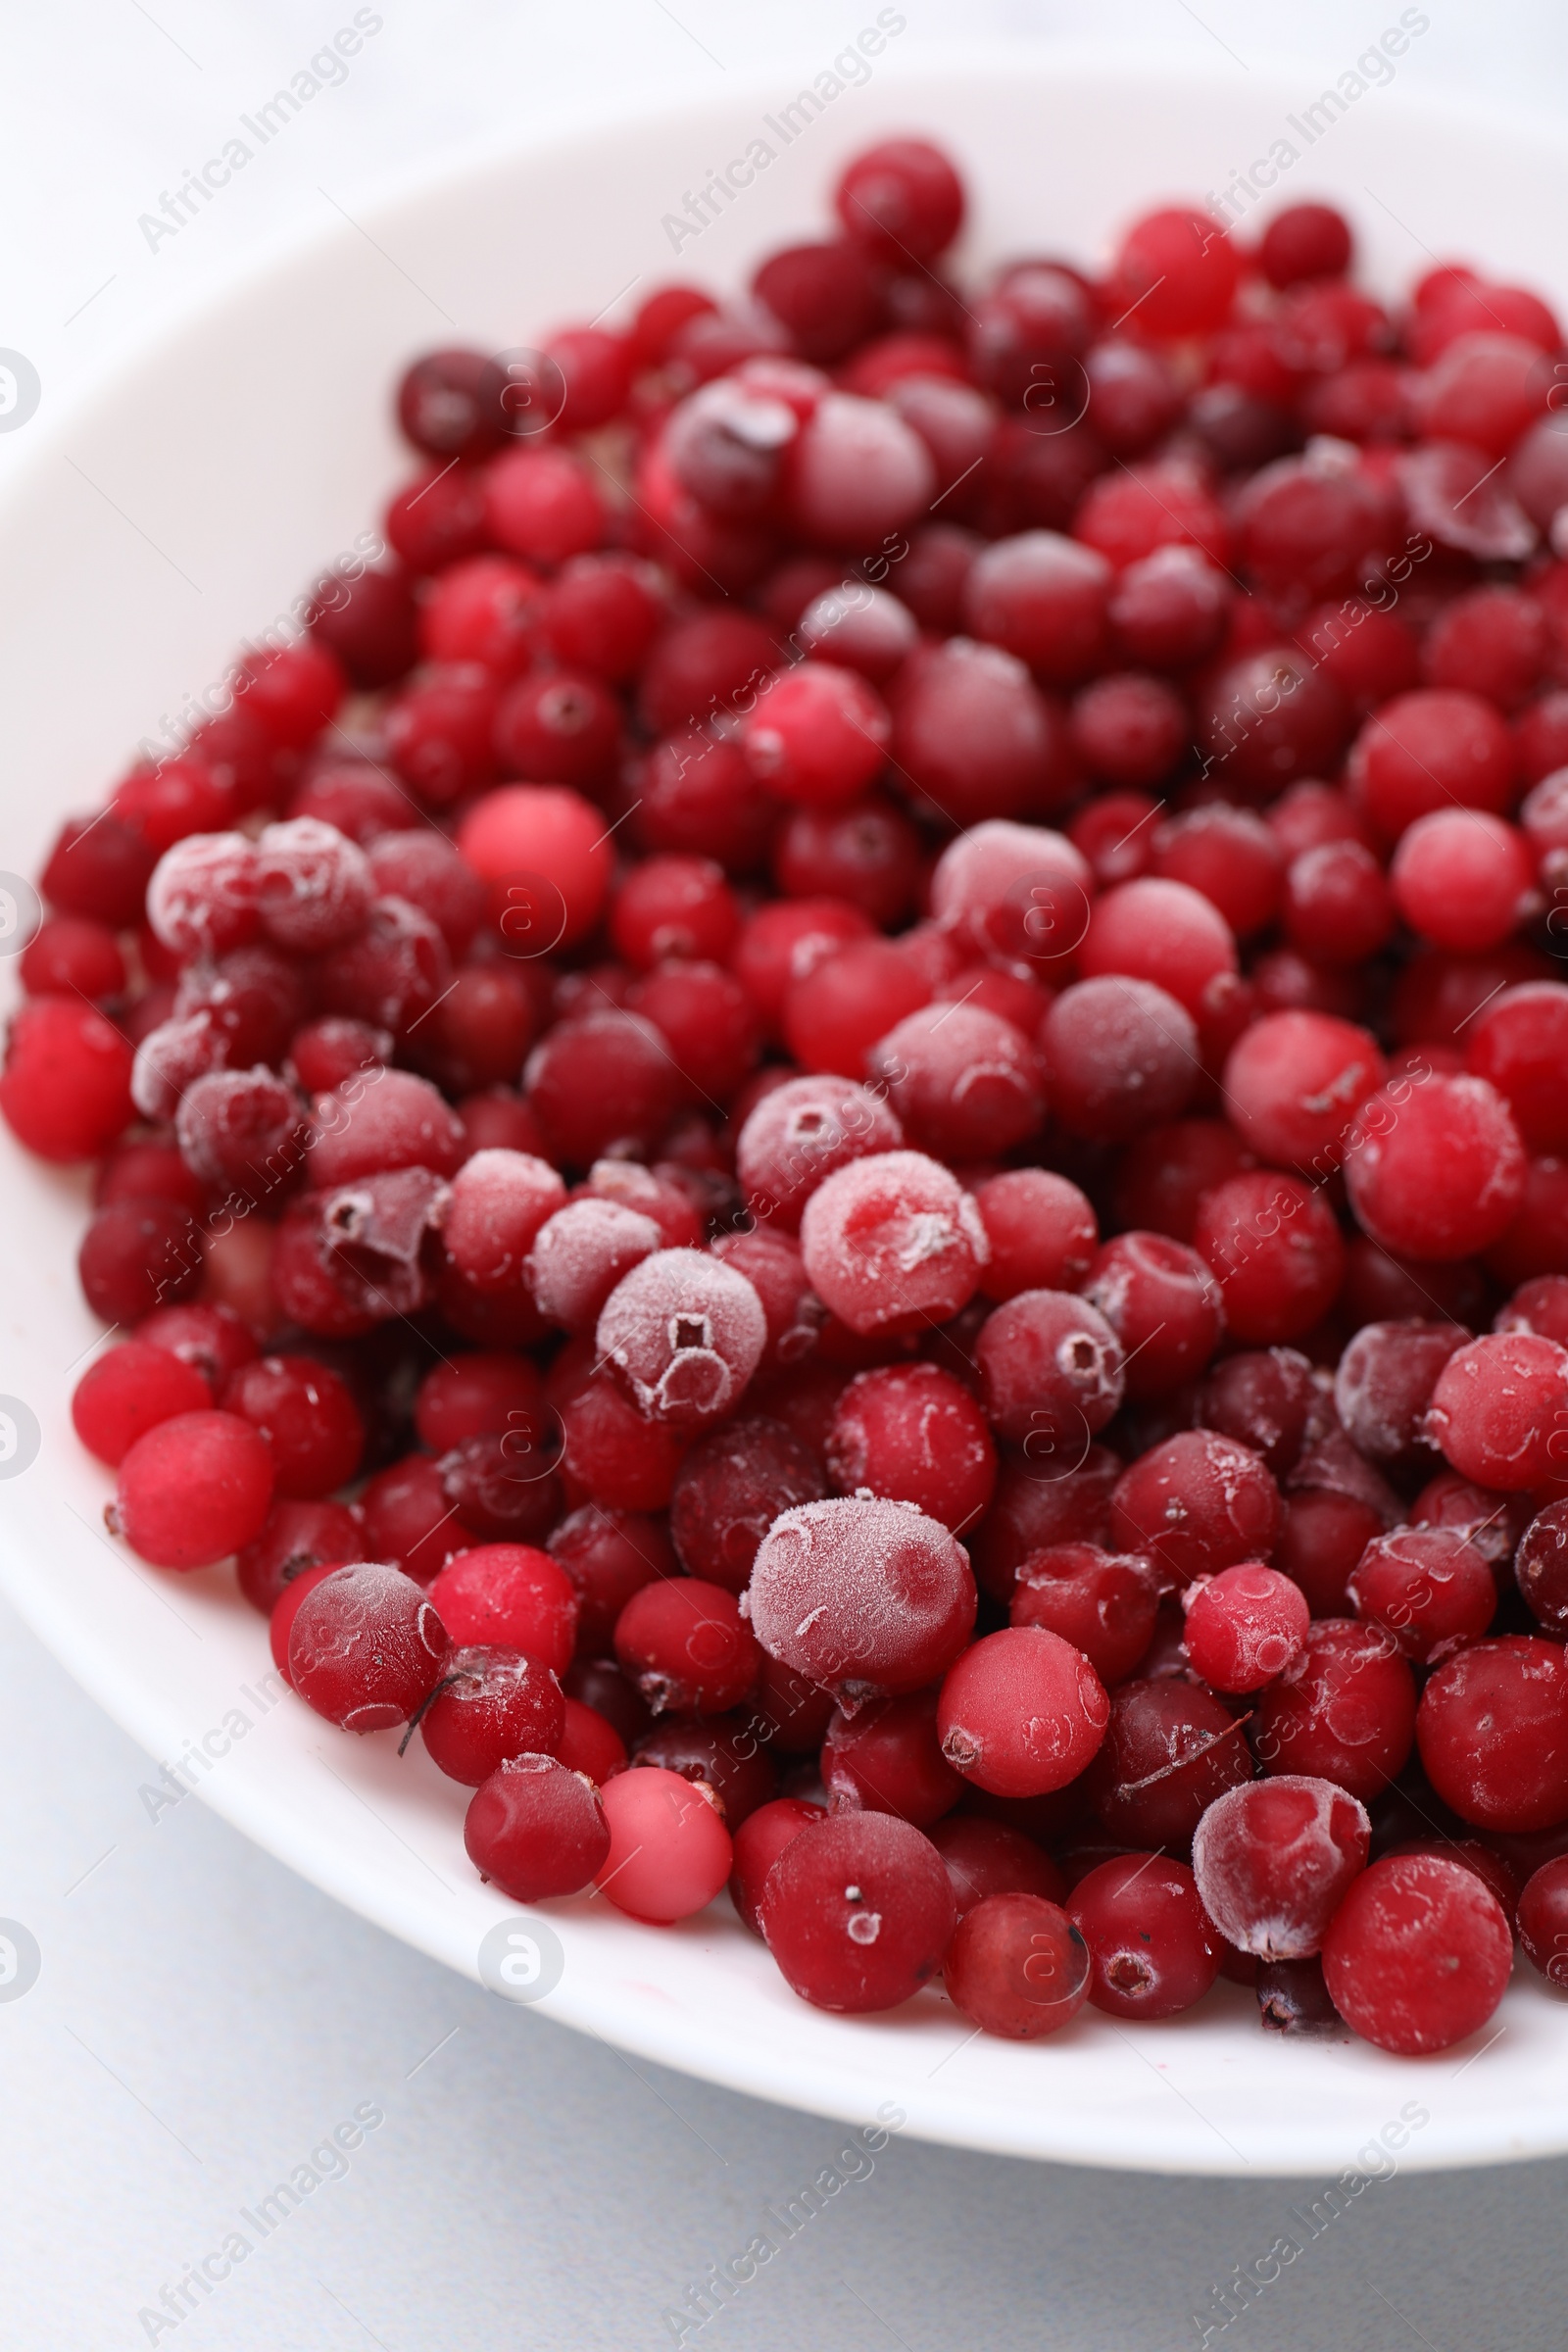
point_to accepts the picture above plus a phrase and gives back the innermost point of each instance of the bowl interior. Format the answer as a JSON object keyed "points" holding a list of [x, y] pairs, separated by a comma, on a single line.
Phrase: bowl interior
{"points": [[176, 512]]}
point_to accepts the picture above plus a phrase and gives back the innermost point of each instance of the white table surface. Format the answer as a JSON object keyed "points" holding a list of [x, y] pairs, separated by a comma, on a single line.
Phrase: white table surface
{"points": [[203, 2019]]}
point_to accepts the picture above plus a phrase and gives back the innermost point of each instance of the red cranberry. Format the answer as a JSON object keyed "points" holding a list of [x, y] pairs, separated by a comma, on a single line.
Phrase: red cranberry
{"points": [[912, 1433], [1170, 1750], [1243, 1627], [858, 1912], [536, 1828], [1342, 1711], [1418, 1954], [1274, 1860], [1197, 1503], [1018, 1966], [669, 1852], [1152, 1951], [129, 1390]]}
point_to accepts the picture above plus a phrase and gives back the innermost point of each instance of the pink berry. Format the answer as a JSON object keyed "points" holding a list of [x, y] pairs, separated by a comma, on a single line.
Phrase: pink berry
{"points": [[669, 1852]]}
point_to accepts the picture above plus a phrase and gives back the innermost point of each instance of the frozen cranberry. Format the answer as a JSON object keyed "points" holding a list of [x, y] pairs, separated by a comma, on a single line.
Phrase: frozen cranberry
{"points": [[861, 1596], [297, 1538], [71, 955], [601, 1079], [192, 1490], [1337, 903], [502, 1484], [1243, 1626], [1428, 1585], [451, 404], [669, 1852], [1418, 1954], [985, 1857], [1042, 1504], [129, 1390], [135, 1255], [1152, 1950], [855, 472], [1343, 1710], [1324, 1536], [891, 1242], [491, 1704], [682, 1642], [1052, 1374], [1197, 1503], [858, 1911], [513, 1595], [1305, 241], [1544, 1921], [730, 1489], [207, 1335], [499, 1203], [612, 1453], [437, 519], [826, 295], [1383, 1385], [1294, 1083], [1274, 1860], [309, 1418], [66, 1086], [537, 1829], [866, 854], [1461, 878], [963, 1082], [609, 1555], [1018, 1966], [1160, 1184], [1517, 1045], [973, 736], [365, 1647], [901, 201], [1022, 1712], [1541, 1566], [410, 1520], [543, 505], [1041, 1231], [99, 870], [1162, 932], [1268, 717], [1274, 1245], [885, 1758], [1265, 1399], [1427, 749], [580, 1255], [759, 1842], [1170, 1750], [543, 840], [1163, 1304], [1499, 1410], [1104, 1604], [684, 1333], [591, 1744], [909, 1432], [1121, 1054], [1168, 609], [1179, 268]]}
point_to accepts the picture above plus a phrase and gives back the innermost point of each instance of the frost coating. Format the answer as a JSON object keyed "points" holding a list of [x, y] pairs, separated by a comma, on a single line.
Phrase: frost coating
{"points": [[861, 1595], [1384, 1380], [581, 1254], [313, 885], [500, 1200], [990, 870], [684, 1334], [802, 1131], [1274, 1859], [893, 1241]]}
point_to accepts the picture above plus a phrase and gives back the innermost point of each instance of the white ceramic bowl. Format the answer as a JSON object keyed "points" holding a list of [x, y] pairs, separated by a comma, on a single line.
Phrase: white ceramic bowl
{"points": [[183, 504]]}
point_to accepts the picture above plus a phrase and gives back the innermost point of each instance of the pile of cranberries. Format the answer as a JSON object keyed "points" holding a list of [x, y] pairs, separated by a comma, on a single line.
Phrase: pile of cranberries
{"points": [[840, 1136]]}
